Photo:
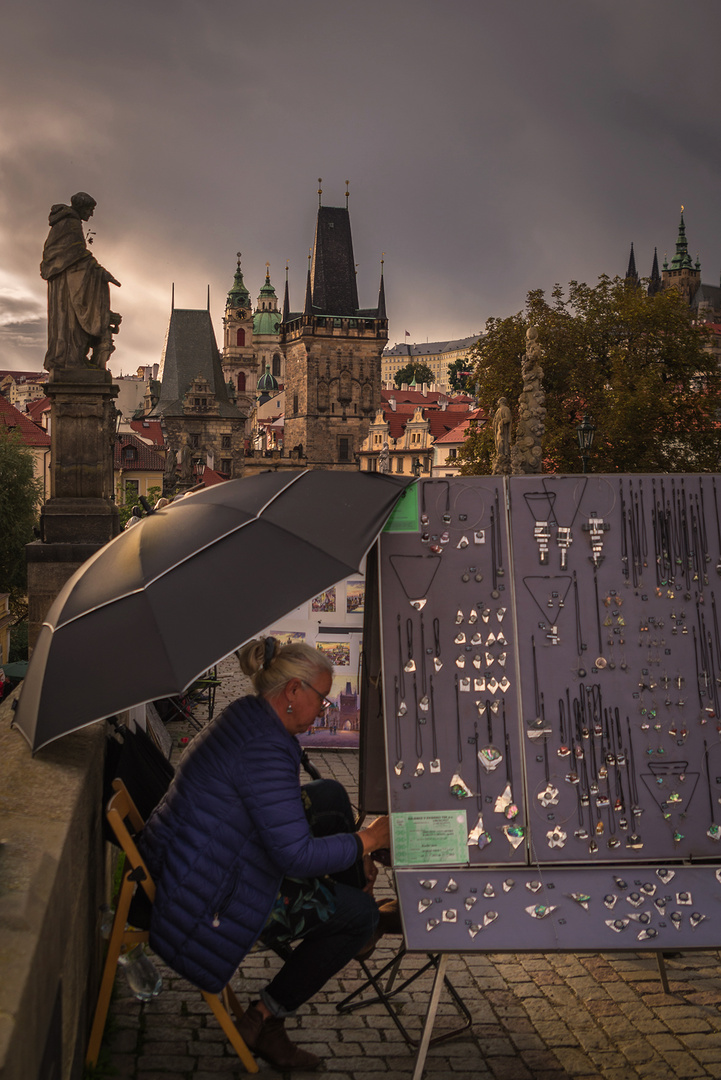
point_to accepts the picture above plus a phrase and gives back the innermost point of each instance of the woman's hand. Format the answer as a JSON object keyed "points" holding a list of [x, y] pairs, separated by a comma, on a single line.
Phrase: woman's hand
{"points": [[376, 835], [371, 872]]}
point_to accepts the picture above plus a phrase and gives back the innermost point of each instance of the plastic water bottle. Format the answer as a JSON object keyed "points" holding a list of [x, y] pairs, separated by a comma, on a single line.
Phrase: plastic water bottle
{"points": [[143, 977]]}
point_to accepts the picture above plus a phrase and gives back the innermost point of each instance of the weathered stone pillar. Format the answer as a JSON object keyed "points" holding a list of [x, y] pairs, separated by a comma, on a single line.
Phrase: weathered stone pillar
{"points": [[82, 427], [527, 451], [80, 515]]}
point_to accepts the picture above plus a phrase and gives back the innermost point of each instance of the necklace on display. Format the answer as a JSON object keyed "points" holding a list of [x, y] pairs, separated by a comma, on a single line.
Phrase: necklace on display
{"points": [[458, 787], [402, 707], [478, 835], [416, 574], [435, 765], [420, 767], [398, 767]]}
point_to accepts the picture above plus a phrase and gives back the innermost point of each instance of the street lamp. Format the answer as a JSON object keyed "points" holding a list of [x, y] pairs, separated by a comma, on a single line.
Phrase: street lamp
{"points": [[586, 431]]}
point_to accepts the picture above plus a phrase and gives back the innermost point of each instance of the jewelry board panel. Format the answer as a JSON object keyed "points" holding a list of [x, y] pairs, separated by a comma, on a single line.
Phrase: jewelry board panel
{"points": [[454, 751], [612, 672], [619, 664], [590, 907]]}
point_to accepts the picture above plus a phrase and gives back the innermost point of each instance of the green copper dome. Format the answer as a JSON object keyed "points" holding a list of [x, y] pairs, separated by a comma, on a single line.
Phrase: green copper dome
{"points": [[238, 296], [267, 383], [266, 322]]}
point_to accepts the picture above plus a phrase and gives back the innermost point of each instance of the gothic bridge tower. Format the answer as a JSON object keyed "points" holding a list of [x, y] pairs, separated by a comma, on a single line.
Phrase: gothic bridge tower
{"points": [[332, 353]]}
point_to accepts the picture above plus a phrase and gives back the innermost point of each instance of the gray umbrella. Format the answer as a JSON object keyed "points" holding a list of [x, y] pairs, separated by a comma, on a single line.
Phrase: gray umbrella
{"points": [[167, 599]]}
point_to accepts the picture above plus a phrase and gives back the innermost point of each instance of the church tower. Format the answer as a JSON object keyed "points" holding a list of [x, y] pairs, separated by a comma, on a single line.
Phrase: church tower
{"points": [[683, 274], [332, 353], [239, 363], [266, 331]]}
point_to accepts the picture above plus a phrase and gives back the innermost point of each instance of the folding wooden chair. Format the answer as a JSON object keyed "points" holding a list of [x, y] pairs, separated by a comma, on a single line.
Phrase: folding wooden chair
{"points": [[126, 823]]}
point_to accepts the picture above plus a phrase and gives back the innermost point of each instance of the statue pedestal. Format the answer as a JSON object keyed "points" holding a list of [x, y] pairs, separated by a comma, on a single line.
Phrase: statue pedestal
{"points": [[80, 515], [82, 430]]}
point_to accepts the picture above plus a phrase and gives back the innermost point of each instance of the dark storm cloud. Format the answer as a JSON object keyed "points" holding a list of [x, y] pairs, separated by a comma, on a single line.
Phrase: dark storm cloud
{"points": [[491, 148]]}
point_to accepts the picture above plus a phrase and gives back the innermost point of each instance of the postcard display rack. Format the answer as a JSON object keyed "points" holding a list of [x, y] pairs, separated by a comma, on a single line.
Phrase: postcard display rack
{"points": [[552, 686]]}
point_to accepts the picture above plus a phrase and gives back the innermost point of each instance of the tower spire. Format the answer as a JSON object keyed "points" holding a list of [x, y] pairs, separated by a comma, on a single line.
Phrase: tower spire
{"points": [[382, 293], [308, 306], [682, 259], [286, 299], [631, 273], [654, 285]]}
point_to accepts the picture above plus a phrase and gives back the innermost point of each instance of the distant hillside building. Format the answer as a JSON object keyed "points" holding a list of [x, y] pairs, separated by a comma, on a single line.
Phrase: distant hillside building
{"points": [[332, 353], [438, 355], [194, 402]]}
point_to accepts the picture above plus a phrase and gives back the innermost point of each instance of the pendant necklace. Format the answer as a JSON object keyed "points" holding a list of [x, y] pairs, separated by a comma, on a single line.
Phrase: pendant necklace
{"points": [[634, 841], [714, 830], [624, 534], [423, 703], [564, 533], [424, 515], [555, 602], [495, 592], [420, 767], [718, 527], [435, 765], [403, 709], [416, 574], [478, 834], [489, 756], [437, 662], [458, 787], [600, 660], [499, 545], [398, 767], [410, 664], [504, 802], [541, 524]]}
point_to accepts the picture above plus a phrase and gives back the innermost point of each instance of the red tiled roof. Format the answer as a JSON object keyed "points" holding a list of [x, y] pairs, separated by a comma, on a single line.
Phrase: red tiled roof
{"points": [[149, 429], [416, 397], [211, 477], [30, 433], [145, 458], [458, 434], [36, 408]]}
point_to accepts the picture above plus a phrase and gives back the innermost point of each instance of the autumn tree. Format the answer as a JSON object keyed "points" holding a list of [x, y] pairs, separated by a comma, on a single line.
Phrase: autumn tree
{"points": [[459, 375], [20, 495], [634, 363], [416, 371]]}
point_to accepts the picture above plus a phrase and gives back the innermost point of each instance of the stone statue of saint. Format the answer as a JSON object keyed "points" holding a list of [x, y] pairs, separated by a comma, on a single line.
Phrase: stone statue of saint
{"points": [[170, 463], [502, 428], [384, 459], [185, 460], [79, 315]]}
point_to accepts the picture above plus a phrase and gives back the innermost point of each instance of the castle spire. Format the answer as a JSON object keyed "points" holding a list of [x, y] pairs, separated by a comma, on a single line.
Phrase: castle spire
{"points": [[654, 285], [631, 273], [682, 259], [308, 306]]}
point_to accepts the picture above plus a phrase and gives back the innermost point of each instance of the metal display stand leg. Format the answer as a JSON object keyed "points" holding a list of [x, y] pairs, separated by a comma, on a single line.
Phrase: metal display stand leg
{"points": [[663, 973], [430, 1016], [384, 994]]}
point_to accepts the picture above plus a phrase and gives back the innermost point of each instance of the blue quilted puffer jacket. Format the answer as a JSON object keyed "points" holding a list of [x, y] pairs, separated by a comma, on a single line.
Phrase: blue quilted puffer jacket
{"points": [[229, 829]]}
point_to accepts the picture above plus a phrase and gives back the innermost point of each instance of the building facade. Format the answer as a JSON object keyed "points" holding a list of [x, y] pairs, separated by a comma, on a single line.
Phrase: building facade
{"points": [[194, 403], [437, 355]]}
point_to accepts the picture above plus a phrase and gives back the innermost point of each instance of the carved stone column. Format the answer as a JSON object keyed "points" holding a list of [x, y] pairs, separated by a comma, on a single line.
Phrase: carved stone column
{"points": [[80, 515], [527, 451], [82, 428]]}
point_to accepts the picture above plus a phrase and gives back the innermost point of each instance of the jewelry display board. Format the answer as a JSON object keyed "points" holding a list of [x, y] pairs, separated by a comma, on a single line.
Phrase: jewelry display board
{"points": [[552, 671]]}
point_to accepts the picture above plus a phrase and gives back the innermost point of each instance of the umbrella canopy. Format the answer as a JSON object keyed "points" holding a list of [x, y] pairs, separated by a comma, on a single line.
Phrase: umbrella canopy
{"points": [[167, 599]]}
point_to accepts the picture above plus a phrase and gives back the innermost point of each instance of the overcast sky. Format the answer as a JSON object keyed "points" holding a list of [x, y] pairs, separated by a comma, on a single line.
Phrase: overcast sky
{"points": [[491, 148]]}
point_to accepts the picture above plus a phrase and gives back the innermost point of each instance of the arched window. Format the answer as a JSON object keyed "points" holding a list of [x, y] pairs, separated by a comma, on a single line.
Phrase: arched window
{"points": [[240, 337], [241, 376], [276, 364]]}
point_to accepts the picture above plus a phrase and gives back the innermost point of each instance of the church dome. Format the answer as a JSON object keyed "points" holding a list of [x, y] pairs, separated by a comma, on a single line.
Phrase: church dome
{"points": [[266, 322], [267, 383]]}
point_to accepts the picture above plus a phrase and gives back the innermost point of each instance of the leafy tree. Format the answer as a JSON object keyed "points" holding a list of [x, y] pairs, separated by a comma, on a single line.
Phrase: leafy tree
{"points": [[415, 369], [634, 363], [20, 495], [459, 375], [132, 499]]}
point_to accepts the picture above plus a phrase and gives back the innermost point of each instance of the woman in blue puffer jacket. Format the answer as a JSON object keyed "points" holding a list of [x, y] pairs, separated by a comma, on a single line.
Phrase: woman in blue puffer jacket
{"points": [[231, 852]]}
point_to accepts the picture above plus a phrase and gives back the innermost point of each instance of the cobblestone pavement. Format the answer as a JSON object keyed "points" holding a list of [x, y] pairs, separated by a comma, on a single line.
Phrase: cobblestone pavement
{"points": [[536, 1017]]}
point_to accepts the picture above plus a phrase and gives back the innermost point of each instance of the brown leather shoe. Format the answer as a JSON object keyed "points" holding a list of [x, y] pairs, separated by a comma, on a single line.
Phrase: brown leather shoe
{"points": [[268, 1039]]}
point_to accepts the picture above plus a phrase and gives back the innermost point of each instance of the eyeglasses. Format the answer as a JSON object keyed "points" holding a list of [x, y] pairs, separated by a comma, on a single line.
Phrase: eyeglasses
{"points": [[325, 702]]}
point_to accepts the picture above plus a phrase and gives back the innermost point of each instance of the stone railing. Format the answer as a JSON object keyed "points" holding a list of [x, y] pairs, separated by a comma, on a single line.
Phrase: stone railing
{"points": [[52, 886]]}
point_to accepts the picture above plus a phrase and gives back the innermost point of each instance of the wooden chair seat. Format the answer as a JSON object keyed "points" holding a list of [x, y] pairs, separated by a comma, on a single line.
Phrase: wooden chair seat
{"points": [[126, 823]]}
